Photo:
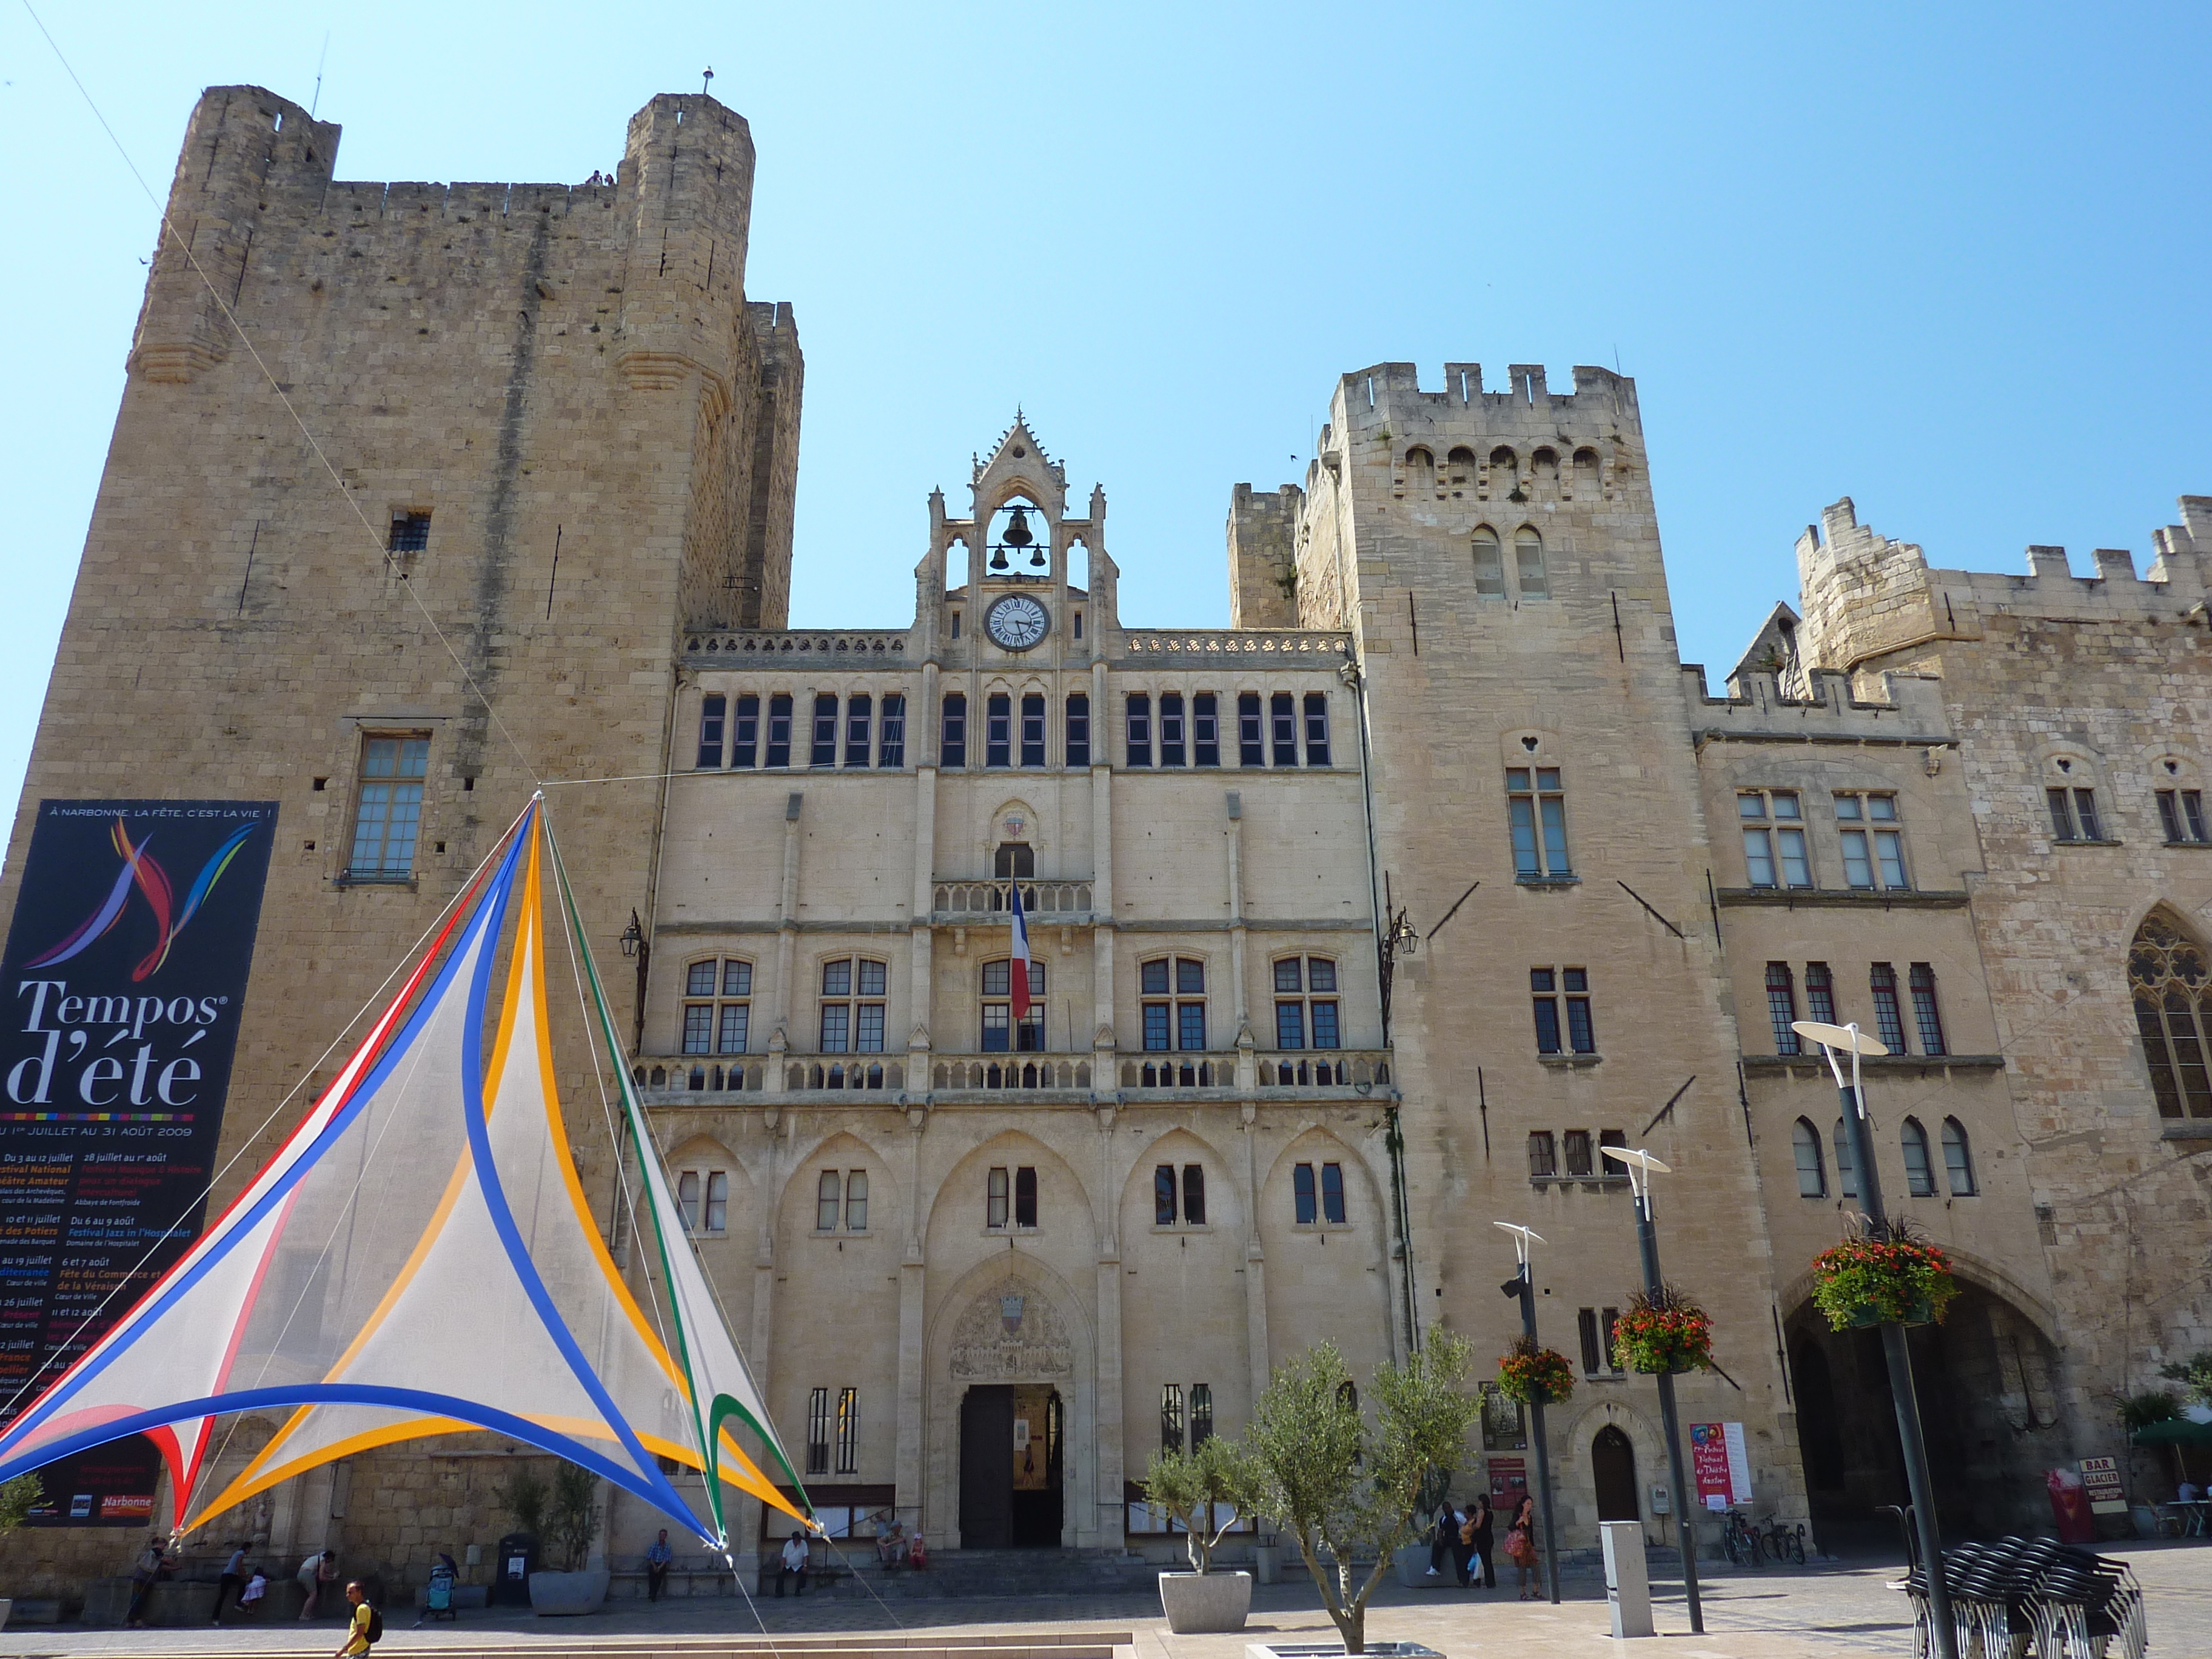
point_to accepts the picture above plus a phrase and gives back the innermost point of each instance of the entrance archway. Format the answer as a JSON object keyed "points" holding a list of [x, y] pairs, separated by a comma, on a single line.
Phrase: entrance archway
{"points": [[1985, 1379], [1613, 1468], [1012, 1445]]}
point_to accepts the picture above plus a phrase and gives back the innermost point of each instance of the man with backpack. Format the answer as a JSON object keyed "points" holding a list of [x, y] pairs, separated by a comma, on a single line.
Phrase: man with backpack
{"points": [[365, 1629]]}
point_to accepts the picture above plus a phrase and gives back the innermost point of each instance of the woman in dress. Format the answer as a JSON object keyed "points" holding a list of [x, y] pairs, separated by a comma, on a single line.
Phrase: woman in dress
{"points": [[1521, 1546]]}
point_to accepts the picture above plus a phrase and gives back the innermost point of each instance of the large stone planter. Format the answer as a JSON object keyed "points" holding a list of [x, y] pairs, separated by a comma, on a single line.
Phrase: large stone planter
{"points": [[1199, 1603], [1411, 1562], [564, 1595]]}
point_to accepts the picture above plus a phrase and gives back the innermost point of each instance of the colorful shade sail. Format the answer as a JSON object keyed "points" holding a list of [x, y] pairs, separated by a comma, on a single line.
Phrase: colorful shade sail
{"points": [[418, 1258]]}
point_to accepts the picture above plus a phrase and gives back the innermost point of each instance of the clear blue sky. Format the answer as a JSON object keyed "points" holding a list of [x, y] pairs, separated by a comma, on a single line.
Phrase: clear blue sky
{"points": [[1949, 260]]}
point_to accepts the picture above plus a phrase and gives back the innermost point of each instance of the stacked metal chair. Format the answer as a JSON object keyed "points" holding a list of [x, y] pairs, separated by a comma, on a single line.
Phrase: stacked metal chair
{"points": [[2034, 1598]]}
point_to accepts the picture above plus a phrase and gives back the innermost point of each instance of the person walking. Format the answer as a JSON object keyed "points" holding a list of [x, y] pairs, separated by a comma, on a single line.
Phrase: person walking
{"points": [[658, 1555], [1481, 1539], [145, 1573], [232, 1582], [1521, 1546], [363, 1627], [794, 1561]]}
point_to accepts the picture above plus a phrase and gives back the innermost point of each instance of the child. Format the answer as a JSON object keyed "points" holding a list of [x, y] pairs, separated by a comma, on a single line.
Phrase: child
{"points": [[249, 1603]]}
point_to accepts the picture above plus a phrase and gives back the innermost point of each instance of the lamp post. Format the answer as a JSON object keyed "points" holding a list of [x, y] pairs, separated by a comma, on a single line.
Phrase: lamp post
{"points": [[1647, 1244], [1855, 1042], [1522, 1285]]}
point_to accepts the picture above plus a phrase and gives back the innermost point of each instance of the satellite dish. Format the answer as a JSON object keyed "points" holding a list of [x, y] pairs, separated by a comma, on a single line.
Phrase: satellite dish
{"points": [[1849, 1038]]}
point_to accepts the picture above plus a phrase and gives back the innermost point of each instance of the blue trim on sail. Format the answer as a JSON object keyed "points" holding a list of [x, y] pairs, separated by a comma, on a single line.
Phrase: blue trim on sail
{"points": [[241, 1226], [357, 1393]]}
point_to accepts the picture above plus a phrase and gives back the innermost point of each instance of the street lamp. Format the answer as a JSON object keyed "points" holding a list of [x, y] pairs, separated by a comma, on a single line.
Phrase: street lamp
{"points": [[1522, 1285], [632, 936], [1855, 1042], [1639, 1166]]}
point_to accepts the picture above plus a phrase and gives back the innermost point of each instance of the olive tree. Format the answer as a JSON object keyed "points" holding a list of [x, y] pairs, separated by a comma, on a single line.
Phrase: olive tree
{"points": [[1198, 1488], [1341, 1484]]}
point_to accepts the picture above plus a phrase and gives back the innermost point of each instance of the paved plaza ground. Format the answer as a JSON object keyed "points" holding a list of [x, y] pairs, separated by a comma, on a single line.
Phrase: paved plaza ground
{"points": [[1772, 1614]]}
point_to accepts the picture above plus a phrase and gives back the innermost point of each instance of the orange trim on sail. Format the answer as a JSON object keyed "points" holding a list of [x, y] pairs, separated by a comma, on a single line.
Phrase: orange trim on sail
{"points": [[247, 1484]]}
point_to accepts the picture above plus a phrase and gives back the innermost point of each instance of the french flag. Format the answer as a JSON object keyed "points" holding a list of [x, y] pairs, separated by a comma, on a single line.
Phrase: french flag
{"points": [[1018, 968]]}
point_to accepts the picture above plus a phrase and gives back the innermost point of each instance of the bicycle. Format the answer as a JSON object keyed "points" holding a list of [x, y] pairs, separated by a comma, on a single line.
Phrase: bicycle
{"points": [[1740, 1539], [1783, 1543]]}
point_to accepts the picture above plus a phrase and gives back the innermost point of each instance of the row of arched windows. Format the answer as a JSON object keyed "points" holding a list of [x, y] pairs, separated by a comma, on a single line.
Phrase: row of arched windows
{"points": [[1504, 475], [1919, 1165]]}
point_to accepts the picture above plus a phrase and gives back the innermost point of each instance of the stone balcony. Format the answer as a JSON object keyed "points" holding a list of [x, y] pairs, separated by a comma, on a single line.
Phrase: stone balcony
{"points": [[1062, 1080], [955, 902]]}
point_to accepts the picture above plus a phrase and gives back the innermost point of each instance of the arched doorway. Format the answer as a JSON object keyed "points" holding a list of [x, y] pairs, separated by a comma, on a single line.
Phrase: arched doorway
{"points": [[1613, 1469], [1012, 1453]]}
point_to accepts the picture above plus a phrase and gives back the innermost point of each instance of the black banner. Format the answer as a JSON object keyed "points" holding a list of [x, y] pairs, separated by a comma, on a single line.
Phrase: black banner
{"points": [[125, 972]]}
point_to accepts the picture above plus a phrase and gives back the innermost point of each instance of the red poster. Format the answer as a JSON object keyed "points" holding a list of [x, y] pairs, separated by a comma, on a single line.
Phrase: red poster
{"points": [[1508, 1482], [1708, 1465]]}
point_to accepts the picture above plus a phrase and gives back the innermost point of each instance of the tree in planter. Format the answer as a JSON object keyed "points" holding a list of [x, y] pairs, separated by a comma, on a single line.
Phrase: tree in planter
{"points": [[572, 1515], [16, 1499], [2194, 1374], [525, 1495], [1196, 1486], [1334, 1482]]}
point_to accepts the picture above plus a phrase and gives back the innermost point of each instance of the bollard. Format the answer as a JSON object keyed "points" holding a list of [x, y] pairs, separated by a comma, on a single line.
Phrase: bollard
{"points": [[1627, 1585]]}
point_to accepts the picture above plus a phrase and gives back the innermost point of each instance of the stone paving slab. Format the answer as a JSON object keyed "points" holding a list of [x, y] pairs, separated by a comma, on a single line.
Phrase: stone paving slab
{"points": [[1817, 1613]]}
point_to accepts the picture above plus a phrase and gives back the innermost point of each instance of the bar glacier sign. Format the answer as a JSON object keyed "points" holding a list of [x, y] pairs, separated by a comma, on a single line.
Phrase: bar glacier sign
{"points": [[125, 972]]}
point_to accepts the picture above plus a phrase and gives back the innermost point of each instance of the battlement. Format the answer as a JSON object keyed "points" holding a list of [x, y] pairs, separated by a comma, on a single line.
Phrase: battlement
{"points": [[1263, 527], [1761, 708], [1868, 597]]}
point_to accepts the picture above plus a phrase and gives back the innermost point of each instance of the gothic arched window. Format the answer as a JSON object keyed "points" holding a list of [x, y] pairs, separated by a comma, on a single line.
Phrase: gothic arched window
{"points": [[2167, 980]]}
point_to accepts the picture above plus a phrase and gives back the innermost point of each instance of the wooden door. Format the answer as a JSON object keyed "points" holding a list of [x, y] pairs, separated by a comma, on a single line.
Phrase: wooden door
{"points": [[1613, 1466], [987, 1469]]}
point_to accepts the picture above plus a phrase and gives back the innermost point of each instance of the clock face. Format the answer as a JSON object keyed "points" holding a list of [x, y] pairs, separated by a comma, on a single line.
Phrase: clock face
{"points": [[1016, 621]]}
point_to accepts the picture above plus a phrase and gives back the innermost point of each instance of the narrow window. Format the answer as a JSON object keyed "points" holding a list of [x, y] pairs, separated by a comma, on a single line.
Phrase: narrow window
{"points": [[1201, 1414], [998, 729], [859, 713], [1290, 1024], [712, 712], [849, 1431], [1958, 1158], [1172, 748], [1171, 1417], [1304, 1210], [1782, 1006], [1001, 1034], [1163, 1195], [1331, 1193], [1889, 1024], [1194, 1195], [779, 729], [1282, 721], [1536, 806], [2085, 813], [1543, 1155], [410, 532], [1919, 1177], [2062, 815], [955, 624], [1812, 1176], [824, 751], [1582, 1034], [1489, 565], [1925, 1014], [829, 1200], [953, 749], [1033, 729], [1205, 730], [744, 749], [1544, 984], [994, 1199], [1079, 729], [1316, 728], [718, 1200], [1607, 1318], [2192, 813], [1586, 1328], [1078, 624], [1528, 564], [1819, 994], [1139, 729], [817, 1431], [2169, 813], [687, 1198], [890, 750], [2167, 977], [856, 1200], [1190, 1008], [1576, 1144], [1847, 1180], [1025, 1208], [1251, 751], [390, 809]]}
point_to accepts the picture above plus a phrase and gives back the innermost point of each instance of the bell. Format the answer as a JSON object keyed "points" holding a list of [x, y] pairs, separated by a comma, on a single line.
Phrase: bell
{"points": [[999, 561], [1036, 558], [1017, 532]]}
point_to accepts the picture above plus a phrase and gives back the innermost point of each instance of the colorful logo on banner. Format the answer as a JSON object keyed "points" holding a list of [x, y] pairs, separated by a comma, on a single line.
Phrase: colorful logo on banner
{"points": [[142, 871]]}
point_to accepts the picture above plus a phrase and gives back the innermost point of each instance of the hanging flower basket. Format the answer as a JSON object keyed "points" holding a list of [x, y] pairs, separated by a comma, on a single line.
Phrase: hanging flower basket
{"points": [[1662, 1333], [1872, 1279], [1534, 1376]]}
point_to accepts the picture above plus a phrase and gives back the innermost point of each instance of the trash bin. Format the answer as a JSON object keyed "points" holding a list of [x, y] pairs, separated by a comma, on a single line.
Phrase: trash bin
{"points": [[516, 1561]]}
